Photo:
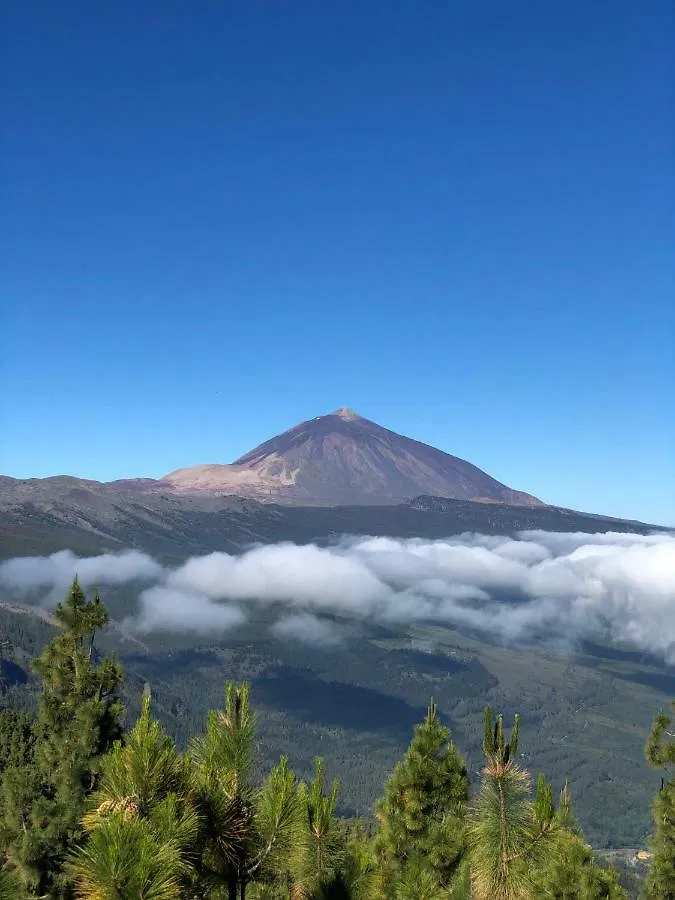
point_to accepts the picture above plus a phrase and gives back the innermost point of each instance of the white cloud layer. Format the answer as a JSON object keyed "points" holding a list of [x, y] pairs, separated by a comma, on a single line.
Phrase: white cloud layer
{"points": [[561, 587], [30, 574]]}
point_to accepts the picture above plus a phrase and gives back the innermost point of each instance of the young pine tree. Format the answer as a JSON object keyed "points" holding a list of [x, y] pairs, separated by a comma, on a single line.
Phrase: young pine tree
{"points": [[421, 833], [523, 849], [78, 721], [357, 877], [660, 752], [11, 887], [250, 833], [321, 848], [509, 835], [142, 824], [569, 871]]}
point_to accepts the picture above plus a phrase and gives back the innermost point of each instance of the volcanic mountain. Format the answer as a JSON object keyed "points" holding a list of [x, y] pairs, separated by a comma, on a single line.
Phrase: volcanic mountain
{"points": [[343, 459]]}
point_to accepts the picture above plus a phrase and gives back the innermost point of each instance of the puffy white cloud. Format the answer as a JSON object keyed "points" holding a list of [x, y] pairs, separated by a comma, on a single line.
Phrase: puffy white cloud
{"points": [[30, 573], [560, 587], [163, 609], [306, 627], [286, 573]]}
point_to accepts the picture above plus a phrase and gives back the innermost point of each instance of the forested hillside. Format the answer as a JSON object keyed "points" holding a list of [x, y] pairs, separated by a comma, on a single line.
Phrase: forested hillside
{"points": [[99, 804], [354, 702]]}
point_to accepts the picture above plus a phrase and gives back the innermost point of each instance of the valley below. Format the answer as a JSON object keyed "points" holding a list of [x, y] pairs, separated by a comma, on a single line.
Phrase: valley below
{"points": [[586, 705]]}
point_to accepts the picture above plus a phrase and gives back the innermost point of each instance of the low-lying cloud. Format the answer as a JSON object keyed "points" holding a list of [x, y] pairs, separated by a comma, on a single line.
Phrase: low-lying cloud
{"points": [[33, 574], [164, 609], [554, 586], [306, 627]]}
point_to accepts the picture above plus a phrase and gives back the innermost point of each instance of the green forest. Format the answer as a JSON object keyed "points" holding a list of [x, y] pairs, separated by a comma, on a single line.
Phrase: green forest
{"points": [[91, 809]]}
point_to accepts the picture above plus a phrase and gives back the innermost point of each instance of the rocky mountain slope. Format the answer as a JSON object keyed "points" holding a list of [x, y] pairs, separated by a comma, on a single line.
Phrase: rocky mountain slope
{"points": [[343, 459]]}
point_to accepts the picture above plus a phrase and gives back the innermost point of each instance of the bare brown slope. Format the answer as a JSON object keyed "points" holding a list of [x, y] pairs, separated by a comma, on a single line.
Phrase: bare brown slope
{"points": [[342, 459]]}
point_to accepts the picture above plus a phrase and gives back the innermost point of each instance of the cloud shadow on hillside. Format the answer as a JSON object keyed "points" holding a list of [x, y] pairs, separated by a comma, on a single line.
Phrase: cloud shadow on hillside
{"points": [[334, 703]]}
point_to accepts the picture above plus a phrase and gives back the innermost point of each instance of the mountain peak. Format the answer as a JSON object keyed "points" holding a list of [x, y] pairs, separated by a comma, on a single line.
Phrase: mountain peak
{"points": [[341, 459], [344, 412]]}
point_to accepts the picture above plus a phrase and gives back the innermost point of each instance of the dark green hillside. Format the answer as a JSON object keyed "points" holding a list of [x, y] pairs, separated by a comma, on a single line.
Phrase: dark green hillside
{"points": [[84, 814], [584, 716]]}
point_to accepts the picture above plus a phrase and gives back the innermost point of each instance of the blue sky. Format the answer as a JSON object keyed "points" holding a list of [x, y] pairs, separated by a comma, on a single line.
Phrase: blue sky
{"points": [[222, 218]]}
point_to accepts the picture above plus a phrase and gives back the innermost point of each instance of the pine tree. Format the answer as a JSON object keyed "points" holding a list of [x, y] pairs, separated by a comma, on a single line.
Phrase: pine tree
{"points": [[142, 824], [353, 875], [321, 848], [569, 870], [11, 887], [509, 835], [78, 720], [358, 874], [660, 753], [139, 774], [422, 815], [250, 833]]}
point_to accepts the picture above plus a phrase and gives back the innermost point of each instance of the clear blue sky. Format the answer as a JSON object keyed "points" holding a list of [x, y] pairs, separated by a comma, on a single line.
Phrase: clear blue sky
{"points": [[220, 218]]}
